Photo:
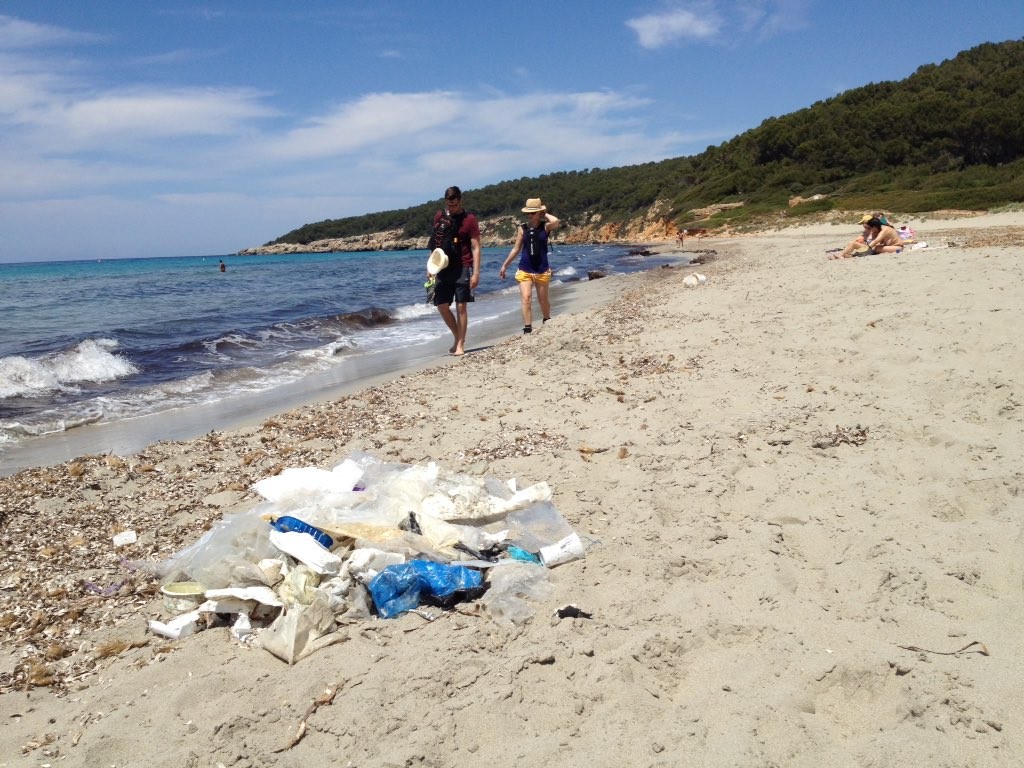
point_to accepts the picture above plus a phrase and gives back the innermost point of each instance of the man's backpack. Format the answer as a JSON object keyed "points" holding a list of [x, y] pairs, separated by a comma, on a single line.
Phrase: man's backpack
{"points": [[446, 237]]}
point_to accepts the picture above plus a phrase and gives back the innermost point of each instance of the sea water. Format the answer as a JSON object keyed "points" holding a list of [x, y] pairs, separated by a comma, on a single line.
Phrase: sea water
{"points": [[114, 341]]}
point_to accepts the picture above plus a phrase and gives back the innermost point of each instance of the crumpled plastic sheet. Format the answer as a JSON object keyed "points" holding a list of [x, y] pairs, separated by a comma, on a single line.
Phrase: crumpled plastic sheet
{"points": [[400, 588]]}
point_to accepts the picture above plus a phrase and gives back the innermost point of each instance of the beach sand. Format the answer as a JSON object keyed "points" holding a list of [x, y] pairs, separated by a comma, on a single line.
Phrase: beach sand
{"points": [[801, 486]]}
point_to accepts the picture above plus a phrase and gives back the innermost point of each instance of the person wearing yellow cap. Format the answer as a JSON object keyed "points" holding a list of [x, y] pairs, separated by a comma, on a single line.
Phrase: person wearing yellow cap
{"points": [[534, 270], [859, 245], [879, 237]]}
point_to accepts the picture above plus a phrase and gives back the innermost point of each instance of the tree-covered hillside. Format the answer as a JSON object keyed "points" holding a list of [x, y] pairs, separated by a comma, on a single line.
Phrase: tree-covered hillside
{"points": [[948, 136]]}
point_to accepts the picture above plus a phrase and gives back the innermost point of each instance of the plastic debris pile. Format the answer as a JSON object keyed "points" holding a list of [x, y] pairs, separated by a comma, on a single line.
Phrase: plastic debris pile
{"points": [[365, 539]]}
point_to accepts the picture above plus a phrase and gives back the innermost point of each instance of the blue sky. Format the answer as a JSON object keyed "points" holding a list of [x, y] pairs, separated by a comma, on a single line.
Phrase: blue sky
{"points": [[152, 128]]}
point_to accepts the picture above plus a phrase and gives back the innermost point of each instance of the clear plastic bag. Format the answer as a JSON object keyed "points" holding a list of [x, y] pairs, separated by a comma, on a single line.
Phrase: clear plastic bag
{"points": [[510, 584], [537, 526], [227, 555]]}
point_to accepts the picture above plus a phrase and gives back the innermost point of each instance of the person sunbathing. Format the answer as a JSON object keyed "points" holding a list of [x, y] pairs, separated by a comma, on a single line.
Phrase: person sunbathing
{"points": [[883, 238], [877, 238], [859, 245]]}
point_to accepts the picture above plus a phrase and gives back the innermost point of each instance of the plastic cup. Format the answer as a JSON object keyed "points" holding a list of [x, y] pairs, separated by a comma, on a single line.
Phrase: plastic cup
{"points": [[568, 549], [181, 596]]}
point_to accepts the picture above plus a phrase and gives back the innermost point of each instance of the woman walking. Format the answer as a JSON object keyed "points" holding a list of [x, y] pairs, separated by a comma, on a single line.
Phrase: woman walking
{"points": [[534, 270]]}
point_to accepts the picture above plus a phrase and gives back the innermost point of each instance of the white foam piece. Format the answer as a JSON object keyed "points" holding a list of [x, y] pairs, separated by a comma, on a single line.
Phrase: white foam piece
{"points": [[308, 550], [178, 627]]}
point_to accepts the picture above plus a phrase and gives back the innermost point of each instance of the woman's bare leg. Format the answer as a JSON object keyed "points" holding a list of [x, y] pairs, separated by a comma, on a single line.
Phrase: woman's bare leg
{"points": [[542, 298], [526, 302]]}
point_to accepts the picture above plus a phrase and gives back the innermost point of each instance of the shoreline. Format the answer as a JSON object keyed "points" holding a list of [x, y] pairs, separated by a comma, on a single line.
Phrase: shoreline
{"points": [[800, 488], [360, 370]]}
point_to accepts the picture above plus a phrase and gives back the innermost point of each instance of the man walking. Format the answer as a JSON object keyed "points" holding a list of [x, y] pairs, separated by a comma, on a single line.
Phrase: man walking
{"points": [[457, 233]]}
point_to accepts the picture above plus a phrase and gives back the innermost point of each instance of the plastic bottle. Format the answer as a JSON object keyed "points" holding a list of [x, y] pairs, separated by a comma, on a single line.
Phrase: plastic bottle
{"points": [[288, 524]]}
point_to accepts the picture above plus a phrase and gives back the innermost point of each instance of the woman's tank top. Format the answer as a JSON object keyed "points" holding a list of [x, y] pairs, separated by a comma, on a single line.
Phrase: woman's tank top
{"points": [[534, 256]]}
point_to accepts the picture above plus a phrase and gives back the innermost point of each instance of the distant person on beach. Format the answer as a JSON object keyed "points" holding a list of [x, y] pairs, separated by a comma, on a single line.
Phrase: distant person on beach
{"points": [[859, 245], [534, 270], [223, 266], [457, 233], [883, 238], [905, 232], [877, 238], [682, 238]]}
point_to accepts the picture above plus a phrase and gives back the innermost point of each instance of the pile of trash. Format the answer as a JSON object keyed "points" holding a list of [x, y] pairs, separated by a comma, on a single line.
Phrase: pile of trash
{"points": [[365, 539]]}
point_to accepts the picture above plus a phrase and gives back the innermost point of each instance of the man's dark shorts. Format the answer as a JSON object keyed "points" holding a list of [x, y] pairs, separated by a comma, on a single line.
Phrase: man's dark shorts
{"points": [[459, 291]]}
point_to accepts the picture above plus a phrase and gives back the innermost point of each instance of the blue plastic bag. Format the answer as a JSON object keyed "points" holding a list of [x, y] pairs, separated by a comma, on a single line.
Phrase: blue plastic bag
{"points": [[402, 587], [520, 554]]}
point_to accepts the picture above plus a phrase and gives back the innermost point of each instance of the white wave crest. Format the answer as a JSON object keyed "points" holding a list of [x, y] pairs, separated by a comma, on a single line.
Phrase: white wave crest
{"points": [[414, 311], [327, 351], [91, 360]]}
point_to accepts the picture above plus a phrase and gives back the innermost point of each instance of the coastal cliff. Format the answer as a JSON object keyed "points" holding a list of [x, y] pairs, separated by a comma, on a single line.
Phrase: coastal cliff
{"points": [[654, 226]]}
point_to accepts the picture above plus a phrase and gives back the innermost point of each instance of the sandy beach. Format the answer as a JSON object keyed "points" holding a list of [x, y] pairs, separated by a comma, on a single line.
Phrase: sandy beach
{"points": [[800, 485]]}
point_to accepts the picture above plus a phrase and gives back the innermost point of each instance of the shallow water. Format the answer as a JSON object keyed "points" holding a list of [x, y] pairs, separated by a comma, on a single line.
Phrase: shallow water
{"points": [[100, 355]]}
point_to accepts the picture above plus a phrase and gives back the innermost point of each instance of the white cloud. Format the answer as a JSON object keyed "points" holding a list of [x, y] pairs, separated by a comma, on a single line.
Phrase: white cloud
{"points": [[377, 152], [29, 176], [48, 104], [167, 141], [369, 120], [657, 30], [20, 34], [408, 138], [179, 56], [154, 114], [782, 16], [20, 90], [719, 21]]}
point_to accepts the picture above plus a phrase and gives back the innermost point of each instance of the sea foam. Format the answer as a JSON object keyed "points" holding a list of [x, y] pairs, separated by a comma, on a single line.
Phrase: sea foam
{"points": [[91, 360]]}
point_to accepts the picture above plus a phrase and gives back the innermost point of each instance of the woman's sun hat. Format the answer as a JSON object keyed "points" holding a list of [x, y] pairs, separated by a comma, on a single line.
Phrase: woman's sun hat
{"points": [[438, 260], [534, 205]]}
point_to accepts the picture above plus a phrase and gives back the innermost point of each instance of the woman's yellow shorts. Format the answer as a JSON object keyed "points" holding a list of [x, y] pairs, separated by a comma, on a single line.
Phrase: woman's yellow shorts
{"points": [[526, 277]]}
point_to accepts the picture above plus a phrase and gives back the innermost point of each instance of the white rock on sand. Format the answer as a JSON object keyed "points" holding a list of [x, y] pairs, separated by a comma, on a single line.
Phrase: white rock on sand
{"points": [[802, 490]]}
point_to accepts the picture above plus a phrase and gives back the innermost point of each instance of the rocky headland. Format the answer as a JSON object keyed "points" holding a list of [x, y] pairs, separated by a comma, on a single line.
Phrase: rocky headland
{"points": [[654, 226]]}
